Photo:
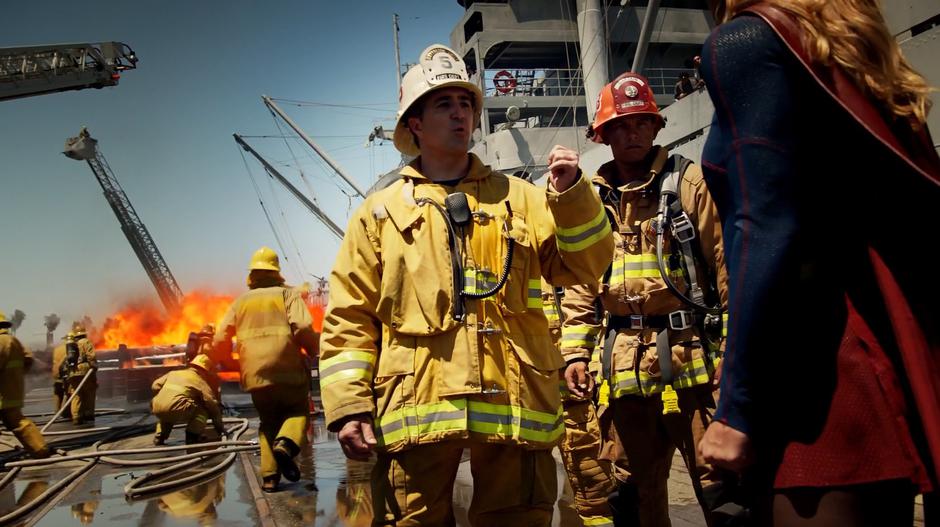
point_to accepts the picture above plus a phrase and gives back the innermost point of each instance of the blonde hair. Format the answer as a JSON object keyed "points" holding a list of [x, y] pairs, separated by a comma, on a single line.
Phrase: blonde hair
{"points": [[852, 34]]}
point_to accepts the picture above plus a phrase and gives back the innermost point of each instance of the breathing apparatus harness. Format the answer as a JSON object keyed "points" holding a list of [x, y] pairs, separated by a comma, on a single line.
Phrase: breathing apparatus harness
{"points": [[672, 219], [457, 216], [71, 353]]}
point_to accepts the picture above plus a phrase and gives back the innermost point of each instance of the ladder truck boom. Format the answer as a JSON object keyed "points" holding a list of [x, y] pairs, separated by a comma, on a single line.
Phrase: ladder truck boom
{"points": [[37, 70], [85, 148]]}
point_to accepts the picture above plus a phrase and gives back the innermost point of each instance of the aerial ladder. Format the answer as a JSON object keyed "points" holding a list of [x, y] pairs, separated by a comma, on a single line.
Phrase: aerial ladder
{"points": [[85, 148], [37, 70]]}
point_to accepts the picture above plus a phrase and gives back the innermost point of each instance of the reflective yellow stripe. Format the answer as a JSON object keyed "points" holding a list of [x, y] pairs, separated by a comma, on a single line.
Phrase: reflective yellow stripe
{"points": [[474, 416], [579, 336], [596, 354], [516, 422], [724, 324], [551, 312], [10, 403], [637, 266], [279, 330], [13, 364], [200, 417], [597, 521], [573, 239], [346, 356], [476, 281], [346, 365], [690, 374], [535, 294]]}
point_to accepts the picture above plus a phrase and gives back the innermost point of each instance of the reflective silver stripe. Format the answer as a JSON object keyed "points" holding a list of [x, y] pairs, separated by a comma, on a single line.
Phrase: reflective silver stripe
{"points": [[502, 419], [571, 236], [348, 365]]}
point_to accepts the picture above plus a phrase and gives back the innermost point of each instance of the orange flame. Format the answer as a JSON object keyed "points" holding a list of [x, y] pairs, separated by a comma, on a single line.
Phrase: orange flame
{"points": [[142, 324], [145, 323]]}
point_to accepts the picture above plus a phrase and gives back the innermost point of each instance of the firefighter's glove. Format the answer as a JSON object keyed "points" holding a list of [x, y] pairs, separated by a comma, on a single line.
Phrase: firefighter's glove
{"points": [[579, 380], [356, 437]]}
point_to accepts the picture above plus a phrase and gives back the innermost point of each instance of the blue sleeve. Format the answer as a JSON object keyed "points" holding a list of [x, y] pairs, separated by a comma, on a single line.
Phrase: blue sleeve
{"points": [[749, 163]]}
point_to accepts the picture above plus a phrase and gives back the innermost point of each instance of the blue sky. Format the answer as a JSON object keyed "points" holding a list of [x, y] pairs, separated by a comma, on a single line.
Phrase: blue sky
{"points": [[166, 131]]}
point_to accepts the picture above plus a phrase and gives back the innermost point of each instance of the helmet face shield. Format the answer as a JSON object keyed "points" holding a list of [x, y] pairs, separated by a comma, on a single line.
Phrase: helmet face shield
{"points": [[438, 67]]}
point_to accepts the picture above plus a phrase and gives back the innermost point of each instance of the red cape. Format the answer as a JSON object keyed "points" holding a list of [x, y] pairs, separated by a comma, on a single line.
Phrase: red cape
{"points": [[910, 297]]}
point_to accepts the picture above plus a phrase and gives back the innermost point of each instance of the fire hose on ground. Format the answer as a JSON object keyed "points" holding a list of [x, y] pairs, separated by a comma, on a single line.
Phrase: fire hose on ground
{"points": [[134, 488], [68, 401]]}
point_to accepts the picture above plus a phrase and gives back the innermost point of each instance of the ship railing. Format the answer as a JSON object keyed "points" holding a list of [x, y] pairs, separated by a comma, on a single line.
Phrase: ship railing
{"points": [[663, 80], [563, 82], [500, 82]]}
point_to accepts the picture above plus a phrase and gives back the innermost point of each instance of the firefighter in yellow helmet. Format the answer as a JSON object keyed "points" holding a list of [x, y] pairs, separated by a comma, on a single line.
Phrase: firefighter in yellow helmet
{"points": [[58, 382], [591, 477], [434, 339], [15, 359], [189, 396], [80, 360], [271, 324], [663, 313], [200, 342]]}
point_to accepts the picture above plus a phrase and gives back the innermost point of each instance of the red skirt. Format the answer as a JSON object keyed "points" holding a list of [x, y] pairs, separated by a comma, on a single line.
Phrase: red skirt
{"points": [[866, 437]]}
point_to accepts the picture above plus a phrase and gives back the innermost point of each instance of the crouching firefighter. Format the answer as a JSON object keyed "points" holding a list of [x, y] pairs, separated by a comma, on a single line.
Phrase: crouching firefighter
{"points": [[435, 340], [589, 475], [662, 297], [15, 359], [189, 396]]}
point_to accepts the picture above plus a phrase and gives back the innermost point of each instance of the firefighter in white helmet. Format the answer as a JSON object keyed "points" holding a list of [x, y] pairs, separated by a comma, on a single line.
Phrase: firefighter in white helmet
{"points": [[271, 324], [434, 339], [662, 299], [15, 359], [189, 396]]}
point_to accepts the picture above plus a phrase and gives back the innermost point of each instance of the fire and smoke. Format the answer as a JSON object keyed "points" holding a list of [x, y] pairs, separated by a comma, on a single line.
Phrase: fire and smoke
{"points": [[142, 324]]}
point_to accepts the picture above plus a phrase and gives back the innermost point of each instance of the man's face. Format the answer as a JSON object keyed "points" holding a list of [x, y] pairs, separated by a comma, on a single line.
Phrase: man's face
{"points": [[446, 121], [631, 137]]}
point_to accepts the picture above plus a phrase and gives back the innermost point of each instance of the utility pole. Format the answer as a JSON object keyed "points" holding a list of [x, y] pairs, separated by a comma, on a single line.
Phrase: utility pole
{"points": [[307, 139], [397, 52]]}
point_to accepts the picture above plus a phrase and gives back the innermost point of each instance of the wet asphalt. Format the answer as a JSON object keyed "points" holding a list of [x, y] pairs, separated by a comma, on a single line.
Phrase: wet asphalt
{"points": [[333, 491]]}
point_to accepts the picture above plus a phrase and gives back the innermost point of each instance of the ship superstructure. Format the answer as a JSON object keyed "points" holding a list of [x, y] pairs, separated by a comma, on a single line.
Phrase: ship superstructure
{"points": [[541, 65]]}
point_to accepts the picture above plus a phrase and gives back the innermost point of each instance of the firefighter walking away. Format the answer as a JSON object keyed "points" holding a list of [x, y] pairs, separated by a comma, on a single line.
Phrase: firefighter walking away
{"points": [[271, 325]]}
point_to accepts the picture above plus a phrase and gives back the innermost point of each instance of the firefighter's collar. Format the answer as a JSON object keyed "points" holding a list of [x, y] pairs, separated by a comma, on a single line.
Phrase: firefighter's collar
{"points": [[607, 173], [477, 170]]}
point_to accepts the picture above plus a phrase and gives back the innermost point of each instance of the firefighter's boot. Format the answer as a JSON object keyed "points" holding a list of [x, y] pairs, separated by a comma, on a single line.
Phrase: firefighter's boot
{"points": [[32, 440], [284, 452], [270, 483], [162, 434]]}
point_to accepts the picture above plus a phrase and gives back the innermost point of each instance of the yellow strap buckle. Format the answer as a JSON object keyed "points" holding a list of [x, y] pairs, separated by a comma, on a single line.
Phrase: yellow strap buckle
{"points": [[670, 401]]}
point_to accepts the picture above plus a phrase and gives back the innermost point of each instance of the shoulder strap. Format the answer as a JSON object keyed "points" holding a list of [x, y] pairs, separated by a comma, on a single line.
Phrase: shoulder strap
{"points": [[681, 226], [604, 193]]}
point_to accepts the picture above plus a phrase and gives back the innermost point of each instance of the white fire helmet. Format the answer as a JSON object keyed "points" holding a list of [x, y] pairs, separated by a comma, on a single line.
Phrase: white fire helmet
{"points": [[438, 67]]}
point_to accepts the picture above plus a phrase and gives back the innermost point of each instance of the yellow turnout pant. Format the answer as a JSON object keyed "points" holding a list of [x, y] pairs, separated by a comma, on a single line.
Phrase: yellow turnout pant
{"points": [[284, 411], [511, 486]]}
